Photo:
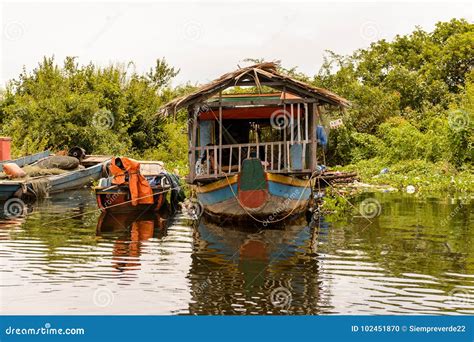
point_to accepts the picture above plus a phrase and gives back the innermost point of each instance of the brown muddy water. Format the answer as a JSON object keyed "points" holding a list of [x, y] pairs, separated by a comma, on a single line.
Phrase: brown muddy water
{"points": [[409, 255]]}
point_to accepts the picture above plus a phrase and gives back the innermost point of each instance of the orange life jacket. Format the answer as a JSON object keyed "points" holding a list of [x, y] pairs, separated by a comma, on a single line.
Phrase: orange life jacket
{"points": [[140, 190]]}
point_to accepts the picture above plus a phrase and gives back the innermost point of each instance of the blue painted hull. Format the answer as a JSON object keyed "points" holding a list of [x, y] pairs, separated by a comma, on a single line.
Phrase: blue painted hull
{"points": [[58, 183], [27, 160], [279, 190], [282, 200]]}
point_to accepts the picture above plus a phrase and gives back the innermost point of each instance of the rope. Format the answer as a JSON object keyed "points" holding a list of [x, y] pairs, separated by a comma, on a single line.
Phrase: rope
{"points": [[273, 221]]}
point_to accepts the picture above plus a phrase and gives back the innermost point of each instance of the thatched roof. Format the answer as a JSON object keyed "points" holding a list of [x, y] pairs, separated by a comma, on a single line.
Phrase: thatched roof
{"points": [[257, 74]]}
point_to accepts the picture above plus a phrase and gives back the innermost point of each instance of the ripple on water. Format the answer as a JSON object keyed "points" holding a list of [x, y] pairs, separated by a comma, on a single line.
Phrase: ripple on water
{"points": [[403, 262]]}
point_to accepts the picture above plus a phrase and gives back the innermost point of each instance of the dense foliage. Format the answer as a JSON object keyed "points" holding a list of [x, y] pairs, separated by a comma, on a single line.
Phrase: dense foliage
{"points": [[104, 110], [412, 106], [413, 96], [412, 102]]}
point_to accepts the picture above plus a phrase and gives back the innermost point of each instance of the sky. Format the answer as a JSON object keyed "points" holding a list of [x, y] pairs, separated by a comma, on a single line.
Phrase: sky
{"points": [[205, 39]]}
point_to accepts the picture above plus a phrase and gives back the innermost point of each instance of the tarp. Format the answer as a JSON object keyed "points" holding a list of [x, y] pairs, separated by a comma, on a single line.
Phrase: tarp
{"points": [[127, 171], [59, 162]]}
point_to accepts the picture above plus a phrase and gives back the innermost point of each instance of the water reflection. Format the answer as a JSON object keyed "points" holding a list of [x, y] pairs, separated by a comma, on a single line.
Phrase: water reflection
{"points": [[249, 271], [415, 257], [129, 231]]}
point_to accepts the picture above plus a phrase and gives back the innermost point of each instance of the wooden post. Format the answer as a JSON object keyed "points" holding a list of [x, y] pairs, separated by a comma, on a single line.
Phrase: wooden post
{"points": [[240, 156], [271, 158], [192, 124], [312, 108], [279, 156], [265, 156], [208, 158], [306, 121], [298, 122], [306, 137], [215, 161], [288, 157], [316, 120], [291, 124], [230, 159], [220, 132], [284, 127]]}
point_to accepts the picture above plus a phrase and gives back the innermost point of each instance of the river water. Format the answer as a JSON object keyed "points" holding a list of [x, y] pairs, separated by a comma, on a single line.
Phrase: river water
{"points": [[412, 255]]}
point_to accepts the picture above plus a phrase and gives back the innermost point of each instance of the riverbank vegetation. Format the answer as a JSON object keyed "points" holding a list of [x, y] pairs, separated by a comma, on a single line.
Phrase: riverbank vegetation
{"points": [[411, 114]]}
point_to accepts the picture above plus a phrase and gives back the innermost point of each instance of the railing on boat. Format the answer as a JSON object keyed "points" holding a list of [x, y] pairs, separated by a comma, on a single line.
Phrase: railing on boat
{"points": [[277, 157]]}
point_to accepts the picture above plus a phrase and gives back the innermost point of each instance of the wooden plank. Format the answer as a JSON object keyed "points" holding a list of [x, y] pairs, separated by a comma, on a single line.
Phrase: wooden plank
{"points": [[192, 145], [265, 156], [308, 96], [258, 102], [271, 157], [230, 158], [291, 123], [201, 148], [240, 156], [257, 141], [220, 131], [279, 157], [305, 172], [316, 118], [306, 121], [215, 160], [303, 164], [298, 122], [208, 157], [251, 83], [312, 134], [288, 155], [284, 130]]}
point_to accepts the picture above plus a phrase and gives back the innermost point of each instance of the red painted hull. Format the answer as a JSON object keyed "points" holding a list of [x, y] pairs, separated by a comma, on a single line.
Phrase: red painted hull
{"points": [[120, 203]]}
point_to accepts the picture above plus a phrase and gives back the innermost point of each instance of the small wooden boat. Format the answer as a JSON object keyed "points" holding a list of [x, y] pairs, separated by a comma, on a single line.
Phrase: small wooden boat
{"points": [[26, 160], [254, 156], [117, 198], [37, 187]]}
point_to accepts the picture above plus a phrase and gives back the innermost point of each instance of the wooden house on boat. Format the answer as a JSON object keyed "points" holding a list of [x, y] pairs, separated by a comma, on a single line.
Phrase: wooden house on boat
{"points": [[252, 156]]}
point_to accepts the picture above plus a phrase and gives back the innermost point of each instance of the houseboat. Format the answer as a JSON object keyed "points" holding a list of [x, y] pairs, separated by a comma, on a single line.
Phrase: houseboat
{"points": [[254, 155]]}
